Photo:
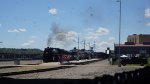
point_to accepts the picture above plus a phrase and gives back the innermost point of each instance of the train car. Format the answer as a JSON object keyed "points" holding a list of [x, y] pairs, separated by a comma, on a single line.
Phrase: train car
{"points": [[56, 55]]}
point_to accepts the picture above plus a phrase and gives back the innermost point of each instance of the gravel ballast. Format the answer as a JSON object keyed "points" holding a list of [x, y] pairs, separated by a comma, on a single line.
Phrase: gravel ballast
{"points": [[89, 71]]}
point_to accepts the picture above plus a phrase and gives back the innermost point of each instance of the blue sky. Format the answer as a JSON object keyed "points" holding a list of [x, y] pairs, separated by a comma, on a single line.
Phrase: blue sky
{"points": [[30, 23]]}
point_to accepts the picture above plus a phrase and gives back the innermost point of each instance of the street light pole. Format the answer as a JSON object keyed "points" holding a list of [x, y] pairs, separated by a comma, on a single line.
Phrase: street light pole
{"points": [[78, 50], [78, 43], [119, 64], [84, 45]]}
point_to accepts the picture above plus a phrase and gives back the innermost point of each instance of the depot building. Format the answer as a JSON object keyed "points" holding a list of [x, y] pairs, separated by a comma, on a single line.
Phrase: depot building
{"points": [[136, 45]]}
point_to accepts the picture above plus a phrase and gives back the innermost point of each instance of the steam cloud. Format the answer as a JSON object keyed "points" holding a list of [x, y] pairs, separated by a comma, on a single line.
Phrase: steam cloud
{"points": [[60, 37]]}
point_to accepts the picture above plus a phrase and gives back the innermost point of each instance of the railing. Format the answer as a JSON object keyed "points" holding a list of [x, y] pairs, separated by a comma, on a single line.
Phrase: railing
{"points": [[139, 76], [19, 57]]}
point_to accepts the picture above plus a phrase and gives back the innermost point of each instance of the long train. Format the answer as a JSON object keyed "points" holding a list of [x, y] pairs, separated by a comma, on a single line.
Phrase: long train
{"points": [[59, 55]]}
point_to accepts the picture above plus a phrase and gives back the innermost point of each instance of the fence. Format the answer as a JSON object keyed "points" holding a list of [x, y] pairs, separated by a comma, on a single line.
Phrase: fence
{"points": [[11, 57], [139, 76], [19, 59]]}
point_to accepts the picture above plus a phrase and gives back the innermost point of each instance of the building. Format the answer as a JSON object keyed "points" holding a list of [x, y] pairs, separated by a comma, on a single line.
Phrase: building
{"points": [[136, 45], [139, 39]]}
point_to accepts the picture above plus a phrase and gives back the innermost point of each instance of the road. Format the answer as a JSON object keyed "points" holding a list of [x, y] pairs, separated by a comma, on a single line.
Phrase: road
{"points": [[89, 71]]}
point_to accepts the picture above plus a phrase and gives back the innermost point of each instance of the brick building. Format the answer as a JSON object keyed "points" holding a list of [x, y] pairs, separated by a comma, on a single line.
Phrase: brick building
{"points": [[139, 39], [135, 45]]}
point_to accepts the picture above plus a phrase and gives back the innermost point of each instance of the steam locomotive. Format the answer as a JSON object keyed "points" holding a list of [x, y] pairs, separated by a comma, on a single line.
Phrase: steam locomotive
{"points": [[56, 54]]}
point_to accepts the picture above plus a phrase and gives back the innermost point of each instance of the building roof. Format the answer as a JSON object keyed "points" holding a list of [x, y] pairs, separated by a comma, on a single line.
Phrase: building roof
{"points": [[141, 34], [136, 45]]}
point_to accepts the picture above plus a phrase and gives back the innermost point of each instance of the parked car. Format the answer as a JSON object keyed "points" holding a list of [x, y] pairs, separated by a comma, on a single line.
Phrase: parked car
{"points": [[133, 60]]}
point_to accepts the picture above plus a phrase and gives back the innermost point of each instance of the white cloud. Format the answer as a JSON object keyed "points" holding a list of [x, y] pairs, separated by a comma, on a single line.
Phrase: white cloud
{"points": [[72, 35], [14, 30], [95, 34], [22, 30], [52, 11], [111, 38], [28, 43], [104, 43], [17, 30], [147, 13], [102, 31], [101, 46], [148, 24], [91, 36]]}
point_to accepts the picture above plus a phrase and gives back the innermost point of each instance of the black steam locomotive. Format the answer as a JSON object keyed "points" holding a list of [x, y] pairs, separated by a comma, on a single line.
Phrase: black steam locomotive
{"points": [[56, 54]]}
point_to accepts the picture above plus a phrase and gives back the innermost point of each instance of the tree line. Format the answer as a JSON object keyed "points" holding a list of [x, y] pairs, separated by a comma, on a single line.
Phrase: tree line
{"points": [[20, 51]]}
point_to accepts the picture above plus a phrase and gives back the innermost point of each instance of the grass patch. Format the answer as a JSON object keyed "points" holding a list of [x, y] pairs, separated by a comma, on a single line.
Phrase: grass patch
{"points": [[23, 68], [148, 64], [133, 65]]}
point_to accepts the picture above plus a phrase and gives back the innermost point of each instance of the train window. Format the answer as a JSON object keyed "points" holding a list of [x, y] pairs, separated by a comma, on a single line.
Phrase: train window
{"points": [[72, 39]]}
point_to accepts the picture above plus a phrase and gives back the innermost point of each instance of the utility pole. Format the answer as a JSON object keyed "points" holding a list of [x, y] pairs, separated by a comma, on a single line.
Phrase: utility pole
{"points": [[78, 43], [89, 46], [84, 44], [94, 50], [94, 45], [119, 63], [78, 50]]}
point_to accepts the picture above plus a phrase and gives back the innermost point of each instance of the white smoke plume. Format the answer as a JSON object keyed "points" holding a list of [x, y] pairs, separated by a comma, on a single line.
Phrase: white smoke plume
{"points": [[59, 36]]}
